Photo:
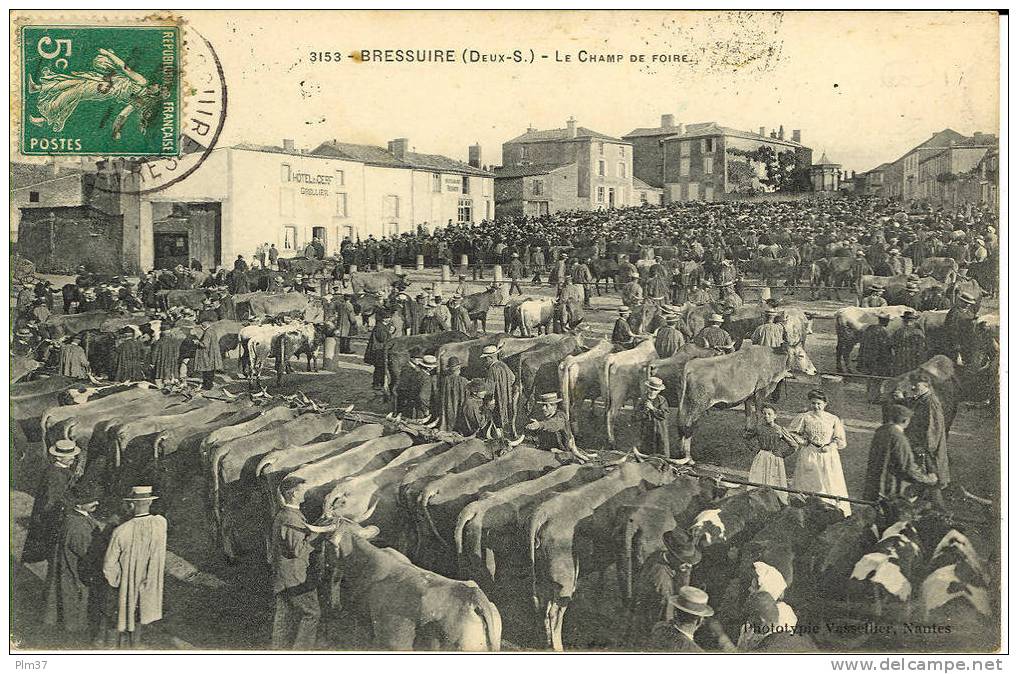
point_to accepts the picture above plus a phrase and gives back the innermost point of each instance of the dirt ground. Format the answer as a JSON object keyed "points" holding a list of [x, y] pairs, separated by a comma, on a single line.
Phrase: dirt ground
{"points": [[210, 604]]}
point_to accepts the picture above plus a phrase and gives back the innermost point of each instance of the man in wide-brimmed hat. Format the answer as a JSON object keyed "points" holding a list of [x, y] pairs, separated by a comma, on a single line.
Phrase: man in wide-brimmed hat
{"points": [[44, 522], [668, 339], [549, 425], [134, 565], [662, 575], [502, 383], [74, 581], [875, 298], [713, 336], [690, 607], [622, 333], [909, 343], [772, 332], [654, 411]]}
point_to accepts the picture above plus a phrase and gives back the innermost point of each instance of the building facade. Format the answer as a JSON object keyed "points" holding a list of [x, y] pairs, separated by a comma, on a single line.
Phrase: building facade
{"points": [[648, 150], [583, 170], [247, 195], [944, 178], [708, 162], [825, 175]]}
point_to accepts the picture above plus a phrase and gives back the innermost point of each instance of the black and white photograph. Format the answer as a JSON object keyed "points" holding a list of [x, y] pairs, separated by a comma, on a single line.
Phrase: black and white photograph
{"points": [[616, 332]]}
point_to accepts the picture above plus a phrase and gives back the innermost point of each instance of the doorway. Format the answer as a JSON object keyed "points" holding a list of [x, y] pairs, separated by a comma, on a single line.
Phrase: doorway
{"points": [[611, 197], [319, 233], [171, 249]]}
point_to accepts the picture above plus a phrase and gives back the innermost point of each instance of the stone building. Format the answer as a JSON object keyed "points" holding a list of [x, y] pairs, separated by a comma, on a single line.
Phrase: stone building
{"points": [[825, 175], [572, 168], [648, 150]]}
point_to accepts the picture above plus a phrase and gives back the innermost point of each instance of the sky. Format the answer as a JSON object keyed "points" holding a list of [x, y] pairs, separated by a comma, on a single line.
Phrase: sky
{"points": [[862, 86]]}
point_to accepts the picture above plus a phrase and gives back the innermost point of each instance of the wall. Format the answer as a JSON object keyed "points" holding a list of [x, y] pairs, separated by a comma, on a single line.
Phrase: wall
{"points": [[614, 153], [551, 152], [58, 239], [648, 159], [57, 191], [698, 184]]}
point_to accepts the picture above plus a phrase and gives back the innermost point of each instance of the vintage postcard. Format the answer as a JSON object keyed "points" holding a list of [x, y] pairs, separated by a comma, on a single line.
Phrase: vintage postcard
{"points": [[607, 331]]}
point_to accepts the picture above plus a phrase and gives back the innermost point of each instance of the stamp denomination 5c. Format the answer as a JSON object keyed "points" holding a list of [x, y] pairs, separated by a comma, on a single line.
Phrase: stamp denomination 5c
{"points": [[100, 90]]}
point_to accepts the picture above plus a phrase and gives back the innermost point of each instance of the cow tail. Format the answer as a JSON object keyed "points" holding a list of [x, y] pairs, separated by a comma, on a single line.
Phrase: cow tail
{"points": [[532, 533], [281, 356], [627, 552], [565, 384], [607, 393], [491, 619]]}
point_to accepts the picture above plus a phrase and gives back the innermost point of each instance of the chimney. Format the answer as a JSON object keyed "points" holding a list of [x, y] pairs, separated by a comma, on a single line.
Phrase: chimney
{"points": [[530, 128], [571, 127], [398, 147], [796, 136], [781, 132], [474, 155], [667, 121], [763, 131], [288, 144], [774, 134], [54, 167]]}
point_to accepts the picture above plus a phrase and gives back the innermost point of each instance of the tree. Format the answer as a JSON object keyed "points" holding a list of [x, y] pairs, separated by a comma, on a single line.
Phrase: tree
{"points": [[781, 173]]}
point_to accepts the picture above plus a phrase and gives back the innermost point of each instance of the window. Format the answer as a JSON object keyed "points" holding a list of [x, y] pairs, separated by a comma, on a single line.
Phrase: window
{"points": [[466, 185], [341, 204], [600, 195], [487, 210], [538, 187], [285, 201], [643, 197], [542, 208], [523, 151], [284, 173], [600, 148], [684, 148], [684, 166], [340, 178], [465, 211], [600, 167], [33, 197], [320, 234], [436, 182], [708, 165], [289, 237], [707, 146], [622, 169], [390, 207]]}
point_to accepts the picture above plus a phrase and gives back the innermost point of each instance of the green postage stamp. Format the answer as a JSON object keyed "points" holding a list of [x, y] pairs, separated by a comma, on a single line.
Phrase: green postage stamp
{"points": [[100, 90]]}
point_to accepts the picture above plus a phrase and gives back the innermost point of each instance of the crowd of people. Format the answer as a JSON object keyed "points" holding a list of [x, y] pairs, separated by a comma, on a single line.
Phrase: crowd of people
{"points": [[105, 576]]}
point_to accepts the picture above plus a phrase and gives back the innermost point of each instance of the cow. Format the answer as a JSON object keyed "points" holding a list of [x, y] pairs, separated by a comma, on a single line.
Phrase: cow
{"points": [[944, 269], [956, 589], [379, 281], [478, 304], [273, 414], [250, 305], [894, 287], [299, 340], [849, 324], [231, 477], [773, 270], [189, 439], [374, 491], [638, 528], [620, 381], [943, 380], [406, 607], [536, 369], [31, 400], [441, 500], [397, 352], [746, 376], [604, 269], [192, 298], [63, 325], [986, 273], [670, 369], [569, 534], [833, 273], [21, 367], [258, 342], [57, 423], [462, 456], [536, 315], [580, 377], [485, 536], [511, 313]]}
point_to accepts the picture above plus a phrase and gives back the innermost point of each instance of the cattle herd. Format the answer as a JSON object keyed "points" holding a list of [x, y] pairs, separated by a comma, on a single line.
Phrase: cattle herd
{"points": [[432, 540]]}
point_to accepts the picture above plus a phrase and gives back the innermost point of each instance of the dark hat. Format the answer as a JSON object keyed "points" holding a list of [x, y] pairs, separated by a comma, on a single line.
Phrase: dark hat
{"points": [[817, 394], [453, 362], [761, 609], [910, 315], [692, 601], [85, 493], [680, 545]]}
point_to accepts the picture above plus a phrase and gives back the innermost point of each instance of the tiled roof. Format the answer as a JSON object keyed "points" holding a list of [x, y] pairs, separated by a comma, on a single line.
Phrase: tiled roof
{"points": [[654, 131], [825, 161], [374, 155], [560, 134], [714, 129], [28, 175], [524, 171]]}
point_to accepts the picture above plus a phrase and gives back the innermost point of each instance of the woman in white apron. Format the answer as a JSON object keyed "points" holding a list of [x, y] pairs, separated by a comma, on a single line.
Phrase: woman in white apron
{"points": [[818, 466], [772, 444]]}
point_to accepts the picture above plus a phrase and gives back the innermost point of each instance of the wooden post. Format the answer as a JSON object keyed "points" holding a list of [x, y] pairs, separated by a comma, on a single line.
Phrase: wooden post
{"points": [[446, 273], [398, 268], [420, 263], [498, 273], [353, 268]]}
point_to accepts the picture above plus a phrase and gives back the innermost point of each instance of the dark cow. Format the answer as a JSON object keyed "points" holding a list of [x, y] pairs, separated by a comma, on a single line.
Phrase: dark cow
{"points": [[192, 298], [537, 368], [773, 270], [604, 269], [478, 304], [379, 281], [851, 322], [943, 378], [397, 352], [944, 269]]}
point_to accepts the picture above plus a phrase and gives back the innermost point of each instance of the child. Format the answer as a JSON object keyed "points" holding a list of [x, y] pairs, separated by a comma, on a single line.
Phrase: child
{"points": [[772, 444]]}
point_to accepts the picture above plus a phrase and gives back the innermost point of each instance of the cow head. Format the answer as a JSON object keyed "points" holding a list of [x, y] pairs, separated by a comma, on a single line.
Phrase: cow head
{"points": [[347, 502], [797, 360]]}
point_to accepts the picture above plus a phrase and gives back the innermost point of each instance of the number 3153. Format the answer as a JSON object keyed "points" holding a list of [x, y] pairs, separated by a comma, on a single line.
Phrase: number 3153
{"points": [[325, 56]]}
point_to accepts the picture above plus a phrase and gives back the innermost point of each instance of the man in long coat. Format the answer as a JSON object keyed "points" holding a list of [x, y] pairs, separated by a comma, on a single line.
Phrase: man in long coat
{"points": [[909, 344], [344, 317], [134, 565], [892, 467], [502, 383], [668, 339], [660, 577], [460, 316], [48, 504], [927, 433], [876, 356], [374, 353], [74, 578], [452, 393], [653, 411], [73, 362], [130, 357], [207, 358], [297, 610]]}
